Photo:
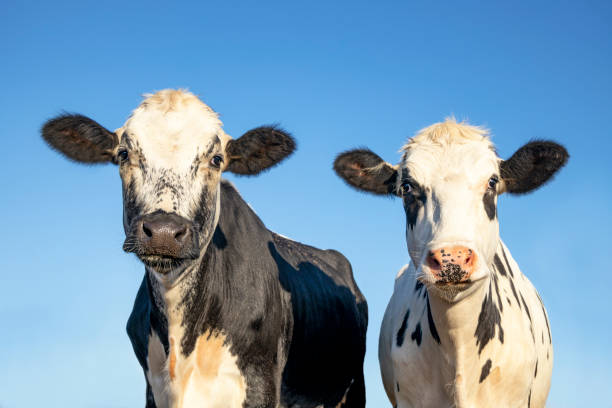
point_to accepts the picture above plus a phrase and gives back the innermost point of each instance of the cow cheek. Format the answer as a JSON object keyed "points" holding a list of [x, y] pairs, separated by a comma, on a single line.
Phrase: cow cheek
{"points": [[418, 235], [206, 213], [131, 205], [490, 239]]}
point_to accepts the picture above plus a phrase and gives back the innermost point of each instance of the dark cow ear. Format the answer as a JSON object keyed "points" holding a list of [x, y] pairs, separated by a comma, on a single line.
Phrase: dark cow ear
{"points": [[80, 139], [532, 165], [258, 150], [364, 170]]}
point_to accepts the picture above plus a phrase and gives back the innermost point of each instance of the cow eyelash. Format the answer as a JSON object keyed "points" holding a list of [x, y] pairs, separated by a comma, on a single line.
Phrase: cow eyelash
{"points": [[406, 187], [493, 182], [216, 161], [122, 155]]}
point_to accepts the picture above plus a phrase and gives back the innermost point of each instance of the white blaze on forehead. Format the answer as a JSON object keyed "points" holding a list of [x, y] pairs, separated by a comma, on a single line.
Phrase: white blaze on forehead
{"points": [[173, 135], [452, 163], [450, 151], [172, 126]]}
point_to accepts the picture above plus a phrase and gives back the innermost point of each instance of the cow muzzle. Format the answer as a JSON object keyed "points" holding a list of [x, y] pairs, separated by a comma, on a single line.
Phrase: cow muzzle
{"points": [[162, 240], [452, 264]]}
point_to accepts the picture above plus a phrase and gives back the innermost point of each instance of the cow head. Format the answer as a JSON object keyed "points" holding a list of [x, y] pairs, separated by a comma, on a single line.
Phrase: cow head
{"points": [[170, 154], [449, 179]]}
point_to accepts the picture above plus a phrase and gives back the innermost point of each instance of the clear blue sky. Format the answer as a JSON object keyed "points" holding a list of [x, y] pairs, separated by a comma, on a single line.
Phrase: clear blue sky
{"points": [[338, 75]]}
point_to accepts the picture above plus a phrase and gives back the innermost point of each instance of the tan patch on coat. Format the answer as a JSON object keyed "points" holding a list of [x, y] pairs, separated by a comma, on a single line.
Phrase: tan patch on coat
{"points": [[495, 376], [172, 360], [185, 378], [209, 354], [208, 378], [212, 378]]}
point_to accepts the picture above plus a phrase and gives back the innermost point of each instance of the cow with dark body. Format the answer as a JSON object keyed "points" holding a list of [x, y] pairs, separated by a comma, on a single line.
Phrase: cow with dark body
{"points": [[229, 314], [464, 327]]}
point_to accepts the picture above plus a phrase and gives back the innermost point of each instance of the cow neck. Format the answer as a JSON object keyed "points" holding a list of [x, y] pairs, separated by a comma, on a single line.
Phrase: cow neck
{"points": [[454, 316], [200, 298], [456, 323], [464, 328]]}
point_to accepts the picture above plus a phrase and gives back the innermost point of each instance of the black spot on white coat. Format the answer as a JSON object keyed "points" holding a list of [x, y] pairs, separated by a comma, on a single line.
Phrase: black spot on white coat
{"points": [[488, 200], [499, 266], [399, 338], [413, 200], [432, 326], [488, 320], [486, 369], [529, 400], [417, 334], [496, 285], [507, 263], [418, 286]]}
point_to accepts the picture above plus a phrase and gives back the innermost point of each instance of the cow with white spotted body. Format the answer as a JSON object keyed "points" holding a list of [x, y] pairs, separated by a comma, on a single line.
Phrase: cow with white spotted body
{"points": [[464, 327], [229, 314]]}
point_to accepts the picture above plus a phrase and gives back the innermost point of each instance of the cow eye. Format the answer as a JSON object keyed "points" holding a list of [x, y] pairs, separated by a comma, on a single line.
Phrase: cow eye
{"points": [[406, 187], [122, 155], [493, 182], [216, 161]]}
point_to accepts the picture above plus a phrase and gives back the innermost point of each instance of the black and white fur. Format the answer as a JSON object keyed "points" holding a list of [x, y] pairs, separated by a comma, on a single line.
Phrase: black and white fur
{"points": [[485, 342], [234, 316]]}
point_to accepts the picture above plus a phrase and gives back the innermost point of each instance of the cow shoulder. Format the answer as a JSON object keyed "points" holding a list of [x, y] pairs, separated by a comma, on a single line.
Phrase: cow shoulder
{"points": [[330, 263], [138, 325], [330, 319]]}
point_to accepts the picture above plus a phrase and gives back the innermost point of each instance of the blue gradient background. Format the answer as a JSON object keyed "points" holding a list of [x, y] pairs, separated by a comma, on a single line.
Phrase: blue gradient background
{"points": [[338, 75]]}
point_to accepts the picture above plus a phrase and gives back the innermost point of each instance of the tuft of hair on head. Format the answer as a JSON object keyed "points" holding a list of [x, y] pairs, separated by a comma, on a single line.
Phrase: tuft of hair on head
{"points": [[449, 132], [168, 100]]}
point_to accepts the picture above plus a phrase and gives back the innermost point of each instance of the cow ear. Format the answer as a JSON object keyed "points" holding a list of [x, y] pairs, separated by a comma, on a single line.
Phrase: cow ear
{"points": [[258, 150], [364, 170], [532, 166], [80, 139]]}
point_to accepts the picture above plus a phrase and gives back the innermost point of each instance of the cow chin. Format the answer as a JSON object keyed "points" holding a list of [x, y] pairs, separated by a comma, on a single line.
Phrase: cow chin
{"points": [[452, 292], [164, 265]]}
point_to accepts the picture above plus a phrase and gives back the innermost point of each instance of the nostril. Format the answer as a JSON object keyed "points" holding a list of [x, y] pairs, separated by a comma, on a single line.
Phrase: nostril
{"points": [[180, 235], [147, 230], [468, 259], [433, 261]]}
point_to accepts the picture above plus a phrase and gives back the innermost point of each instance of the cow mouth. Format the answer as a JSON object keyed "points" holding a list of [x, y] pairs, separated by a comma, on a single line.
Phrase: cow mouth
{"points": [[451, 284], [162, 263]]}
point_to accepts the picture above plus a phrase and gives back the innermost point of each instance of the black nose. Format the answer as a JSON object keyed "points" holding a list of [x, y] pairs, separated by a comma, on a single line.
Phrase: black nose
{"points": [[164, 234]]}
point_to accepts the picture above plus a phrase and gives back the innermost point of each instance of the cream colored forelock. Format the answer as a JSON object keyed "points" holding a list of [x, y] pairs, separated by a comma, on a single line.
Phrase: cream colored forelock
{"points": [[447, 133], [173, 100]]}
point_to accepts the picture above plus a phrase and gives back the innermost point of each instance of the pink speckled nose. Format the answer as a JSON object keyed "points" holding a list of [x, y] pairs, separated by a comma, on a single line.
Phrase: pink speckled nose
{"points": [[453, 264]]}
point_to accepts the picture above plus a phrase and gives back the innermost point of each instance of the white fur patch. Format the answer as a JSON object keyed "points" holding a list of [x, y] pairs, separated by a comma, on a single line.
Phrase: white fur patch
{"points": [[449, 373], [472, 358], [208, 377], [453, 163], [175, 136]]}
